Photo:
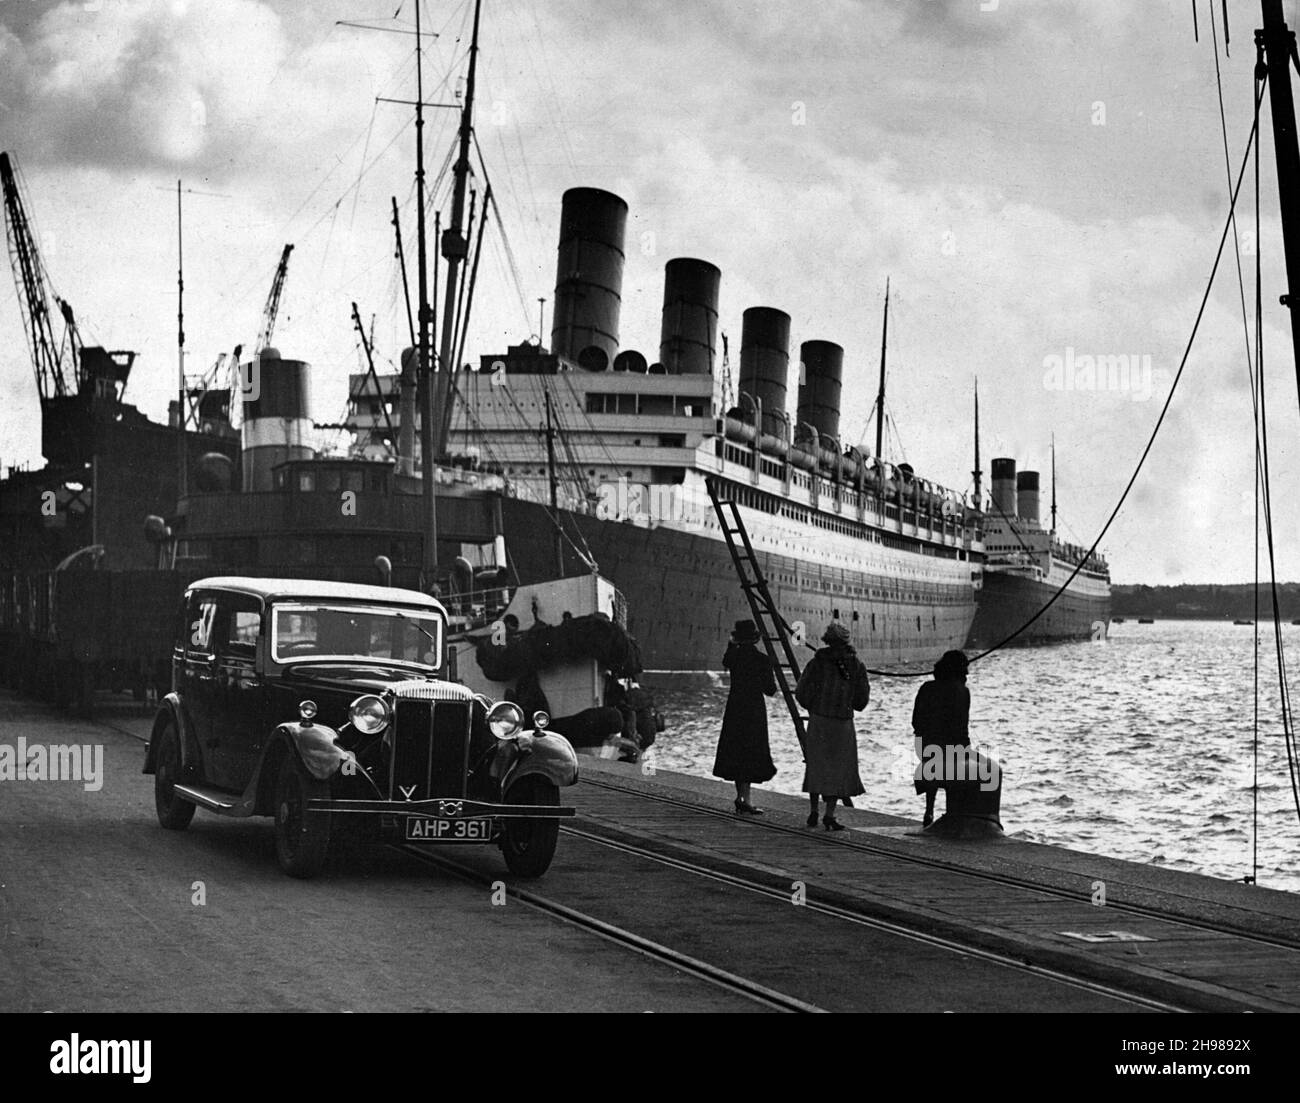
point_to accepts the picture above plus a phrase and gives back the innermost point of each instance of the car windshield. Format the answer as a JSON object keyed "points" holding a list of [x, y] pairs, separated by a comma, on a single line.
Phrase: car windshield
{"points": [[309, 631]]}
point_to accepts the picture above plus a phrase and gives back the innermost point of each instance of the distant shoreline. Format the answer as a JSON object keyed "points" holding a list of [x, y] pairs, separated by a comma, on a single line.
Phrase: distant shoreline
{"points": [[1234, 601]]}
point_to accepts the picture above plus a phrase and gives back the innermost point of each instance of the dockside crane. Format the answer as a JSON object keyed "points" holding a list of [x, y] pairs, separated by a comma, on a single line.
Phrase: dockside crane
{"points": [[198, 389], [55, 359], [272, 308]]}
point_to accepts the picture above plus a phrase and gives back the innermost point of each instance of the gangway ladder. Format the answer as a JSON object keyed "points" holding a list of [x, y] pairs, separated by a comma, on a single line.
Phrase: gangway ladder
{"points": [[776, 633]]}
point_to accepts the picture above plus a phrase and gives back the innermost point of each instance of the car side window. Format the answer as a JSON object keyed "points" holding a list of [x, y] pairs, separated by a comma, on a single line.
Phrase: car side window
{"points": [[239, 622], [200, 619]]}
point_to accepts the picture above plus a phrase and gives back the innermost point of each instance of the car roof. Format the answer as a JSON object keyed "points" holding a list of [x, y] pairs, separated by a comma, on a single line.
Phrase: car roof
{"points": [[297, 589]]}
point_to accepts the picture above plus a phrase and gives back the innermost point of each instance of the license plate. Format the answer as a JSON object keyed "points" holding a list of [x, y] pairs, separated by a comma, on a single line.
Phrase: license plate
{"points": [[434, 829]]}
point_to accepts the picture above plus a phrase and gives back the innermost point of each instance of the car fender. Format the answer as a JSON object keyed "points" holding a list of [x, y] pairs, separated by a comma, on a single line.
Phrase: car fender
{"points": [[317, 748], [170, 708], [551, 756]]}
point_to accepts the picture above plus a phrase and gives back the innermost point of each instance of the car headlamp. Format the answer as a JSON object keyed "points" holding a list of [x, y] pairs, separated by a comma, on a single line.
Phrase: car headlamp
{"points": [[505, 719], [368, 714]]}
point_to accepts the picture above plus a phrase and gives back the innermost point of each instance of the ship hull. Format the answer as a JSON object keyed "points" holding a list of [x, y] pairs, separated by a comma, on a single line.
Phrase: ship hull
{"points": [[1008, 601], [684, 596]]}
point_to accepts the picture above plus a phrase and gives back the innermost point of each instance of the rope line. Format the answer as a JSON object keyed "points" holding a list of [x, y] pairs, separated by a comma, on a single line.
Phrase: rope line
{"points": [[1200, 313]]}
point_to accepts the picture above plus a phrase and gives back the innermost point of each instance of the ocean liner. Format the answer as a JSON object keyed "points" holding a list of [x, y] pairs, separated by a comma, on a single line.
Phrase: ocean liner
{"points": [[617, 449], [1026, 565]]}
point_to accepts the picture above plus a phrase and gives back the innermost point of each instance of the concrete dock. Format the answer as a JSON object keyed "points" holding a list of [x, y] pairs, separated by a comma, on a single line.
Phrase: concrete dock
{"points": [[1190, 941], [661, 898]]}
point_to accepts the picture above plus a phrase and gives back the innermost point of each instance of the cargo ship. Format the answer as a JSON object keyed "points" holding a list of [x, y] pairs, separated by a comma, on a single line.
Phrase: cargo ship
{"points": [[616, 447], [1024, 567]]}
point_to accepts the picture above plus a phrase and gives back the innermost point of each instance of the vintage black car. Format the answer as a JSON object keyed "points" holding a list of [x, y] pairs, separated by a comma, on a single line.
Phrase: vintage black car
{"points": [[326, 705]]}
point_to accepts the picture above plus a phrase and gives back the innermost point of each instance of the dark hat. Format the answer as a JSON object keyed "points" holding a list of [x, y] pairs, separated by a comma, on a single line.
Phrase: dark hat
{"points": [[953, 664], [836, 633], [746, 631]]}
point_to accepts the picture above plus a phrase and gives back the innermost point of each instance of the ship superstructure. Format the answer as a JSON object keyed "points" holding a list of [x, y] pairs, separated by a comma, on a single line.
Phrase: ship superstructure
{"points": [[616, 448]]}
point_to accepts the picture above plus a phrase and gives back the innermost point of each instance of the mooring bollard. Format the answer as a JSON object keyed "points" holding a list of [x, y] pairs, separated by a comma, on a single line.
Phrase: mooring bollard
{"points": [[973, 795]]}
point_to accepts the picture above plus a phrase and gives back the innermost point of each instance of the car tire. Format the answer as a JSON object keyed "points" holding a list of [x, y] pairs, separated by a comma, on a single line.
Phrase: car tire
{"points": [[302, 838], [528, 845], [174, 813]]}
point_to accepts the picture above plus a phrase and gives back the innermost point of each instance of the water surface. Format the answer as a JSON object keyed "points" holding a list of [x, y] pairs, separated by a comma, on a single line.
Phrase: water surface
{"points": [[1139, 747]]}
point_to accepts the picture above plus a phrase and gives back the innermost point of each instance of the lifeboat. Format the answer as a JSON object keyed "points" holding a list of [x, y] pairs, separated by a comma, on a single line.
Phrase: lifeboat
{"points": [[739, 430], [802, 459]]}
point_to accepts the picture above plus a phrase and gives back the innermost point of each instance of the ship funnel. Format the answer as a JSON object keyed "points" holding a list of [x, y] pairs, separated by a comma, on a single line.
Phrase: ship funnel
{"points": [[276, 426], [690, 320], [1004, 487], [819, 390], [1027, 495], [765, 363], [589, 277]]}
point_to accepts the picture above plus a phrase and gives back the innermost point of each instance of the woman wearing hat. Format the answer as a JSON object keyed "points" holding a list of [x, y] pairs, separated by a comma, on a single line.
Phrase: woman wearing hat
{"points": [[743, 754], [833, 686], [940, 719]]}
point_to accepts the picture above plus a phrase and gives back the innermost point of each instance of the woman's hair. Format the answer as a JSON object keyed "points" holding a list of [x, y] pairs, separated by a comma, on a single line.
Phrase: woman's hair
{"points": [[839, 650], [952, 666]]}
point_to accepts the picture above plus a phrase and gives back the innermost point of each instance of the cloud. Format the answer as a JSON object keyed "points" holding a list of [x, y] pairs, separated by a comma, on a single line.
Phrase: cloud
{"points": [[142, 85]]}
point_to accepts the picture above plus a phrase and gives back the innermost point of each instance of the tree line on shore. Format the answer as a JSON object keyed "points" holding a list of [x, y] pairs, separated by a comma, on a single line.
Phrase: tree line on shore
{"points": [[1204, 601]]}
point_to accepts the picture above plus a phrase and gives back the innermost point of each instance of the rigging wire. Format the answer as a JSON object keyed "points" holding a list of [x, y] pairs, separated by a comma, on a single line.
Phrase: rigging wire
{"points": [[1284, 690], [505, 237], [1164, 410], [1255, 413]]}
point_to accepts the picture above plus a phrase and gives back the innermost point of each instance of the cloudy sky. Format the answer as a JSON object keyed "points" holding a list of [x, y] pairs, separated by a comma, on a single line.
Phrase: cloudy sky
{"points": [[1042, 180]]}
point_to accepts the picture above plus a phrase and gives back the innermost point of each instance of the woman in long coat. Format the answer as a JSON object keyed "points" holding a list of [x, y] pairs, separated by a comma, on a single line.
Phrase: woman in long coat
{"points": [[833, 686], [940, 719], [743, 753]]}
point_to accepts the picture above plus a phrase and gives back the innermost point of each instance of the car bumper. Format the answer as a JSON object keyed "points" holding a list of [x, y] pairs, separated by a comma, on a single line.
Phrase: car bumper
{"points": [[443, 808]]}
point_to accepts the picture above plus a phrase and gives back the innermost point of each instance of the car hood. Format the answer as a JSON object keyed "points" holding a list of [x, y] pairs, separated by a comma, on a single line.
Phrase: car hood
{"points": [[361, 677]]}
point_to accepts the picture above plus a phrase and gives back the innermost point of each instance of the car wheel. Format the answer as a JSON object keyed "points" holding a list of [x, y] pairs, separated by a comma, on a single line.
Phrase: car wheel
{"points": [[529, 845], [174, 813], [302, 838]]}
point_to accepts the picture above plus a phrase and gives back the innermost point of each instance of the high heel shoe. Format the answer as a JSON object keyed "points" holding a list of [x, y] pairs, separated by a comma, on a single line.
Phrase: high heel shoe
{"points": [[744, 808], [927, 819], [812, 819], [832, 824]]}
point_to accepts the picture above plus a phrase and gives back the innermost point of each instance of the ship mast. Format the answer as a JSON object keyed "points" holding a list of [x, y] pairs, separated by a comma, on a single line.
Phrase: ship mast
{"points": [[1053, 484], [1276, 43], [455, 247], [429, 559], [977, 473], [554, 485], [880, 397], [181, 463]]}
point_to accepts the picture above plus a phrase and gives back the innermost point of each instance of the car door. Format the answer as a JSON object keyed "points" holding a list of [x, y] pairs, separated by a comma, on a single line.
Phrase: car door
{"points": [[239, 695]]}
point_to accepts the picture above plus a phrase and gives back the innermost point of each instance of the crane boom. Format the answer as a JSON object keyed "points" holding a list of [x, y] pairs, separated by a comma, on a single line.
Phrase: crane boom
{"points": [[273, 300], [54, 377]]}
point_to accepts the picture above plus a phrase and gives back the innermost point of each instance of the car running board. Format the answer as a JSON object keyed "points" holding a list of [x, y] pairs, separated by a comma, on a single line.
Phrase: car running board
{"points": [[215, 800]]}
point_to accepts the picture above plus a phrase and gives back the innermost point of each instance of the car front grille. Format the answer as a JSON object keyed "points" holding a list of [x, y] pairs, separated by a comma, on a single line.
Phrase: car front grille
{"points": [[429, 755]]}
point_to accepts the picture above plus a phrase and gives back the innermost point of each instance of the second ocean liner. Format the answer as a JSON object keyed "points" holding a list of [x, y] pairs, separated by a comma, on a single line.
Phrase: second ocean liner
{"points": [[1027, 565]]}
